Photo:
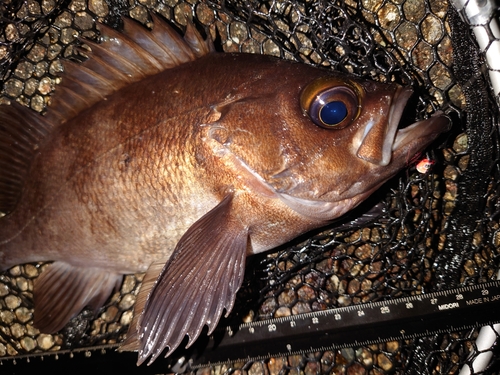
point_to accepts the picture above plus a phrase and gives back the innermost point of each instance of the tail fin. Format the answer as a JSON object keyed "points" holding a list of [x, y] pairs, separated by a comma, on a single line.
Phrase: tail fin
{"points": [[3, 261], [21, 131], [9, 249]]}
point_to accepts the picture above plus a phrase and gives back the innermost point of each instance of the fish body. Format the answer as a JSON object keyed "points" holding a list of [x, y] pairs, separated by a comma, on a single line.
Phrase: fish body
{"points": [[183, 172]]}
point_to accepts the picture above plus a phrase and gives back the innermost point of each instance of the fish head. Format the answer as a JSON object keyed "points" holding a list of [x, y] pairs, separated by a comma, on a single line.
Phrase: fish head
{"points": [[322, 143]]}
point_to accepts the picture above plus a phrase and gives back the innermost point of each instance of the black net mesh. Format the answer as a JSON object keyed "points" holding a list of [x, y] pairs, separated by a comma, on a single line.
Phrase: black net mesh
{"points": [[436, 230]]}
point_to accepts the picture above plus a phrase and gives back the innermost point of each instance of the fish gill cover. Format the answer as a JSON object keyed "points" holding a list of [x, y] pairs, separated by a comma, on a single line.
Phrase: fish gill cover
{"points": [[438, 229]]}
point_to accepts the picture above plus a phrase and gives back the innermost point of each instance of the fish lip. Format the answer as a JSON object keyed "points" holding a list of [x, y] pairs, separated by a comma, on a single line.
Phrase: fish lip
{"points": [[418, 135], [399, 101], [380, 133]]}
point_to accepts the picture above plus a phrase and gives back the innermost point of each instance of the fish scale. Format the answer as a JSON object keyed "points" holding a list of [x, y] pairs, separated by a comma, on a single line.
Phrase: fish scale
{"points": [[114, 170]]}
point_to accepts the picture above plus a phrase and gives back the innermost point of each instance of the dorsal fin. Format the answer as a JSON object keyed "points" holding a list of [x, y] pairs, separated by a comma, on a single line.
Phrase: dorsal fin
{"points": [[120, 59]]}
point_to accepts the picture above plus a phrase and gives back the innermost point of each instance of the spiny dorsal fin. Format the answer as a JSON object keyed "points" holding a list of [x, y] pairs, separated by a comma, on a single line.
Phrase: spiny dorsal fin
{"points": [[120, 59]]}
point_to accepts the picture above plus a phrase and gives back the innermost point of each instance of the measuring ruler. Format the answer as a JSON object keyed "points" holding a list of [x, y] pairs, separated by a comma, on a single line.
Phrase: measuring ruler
{"points": [[357, 325]]}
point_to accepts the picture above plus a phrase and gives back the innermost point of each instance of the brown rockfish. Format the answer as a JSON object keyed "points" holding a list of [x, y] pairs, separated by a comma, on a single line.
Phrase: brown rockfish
{"points": [[159, 155]]}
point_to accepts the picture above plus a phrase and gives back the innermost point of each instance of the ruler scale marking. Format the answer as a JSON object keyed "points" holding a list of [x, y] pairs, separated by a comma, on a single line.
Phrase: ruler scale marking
{"points": [[402, 318]]}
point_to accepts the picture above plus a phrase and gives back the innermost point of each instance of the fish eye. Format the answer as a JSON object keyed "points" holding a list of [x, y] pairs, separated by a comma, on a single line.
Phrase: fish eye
{"points": [[333, 107], [333, 113]]}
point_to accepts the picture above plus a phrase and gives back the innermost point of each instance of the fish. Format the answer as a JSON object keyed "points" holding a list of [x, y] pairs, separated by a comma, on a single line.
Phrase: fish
{"points": [[158, 154]]}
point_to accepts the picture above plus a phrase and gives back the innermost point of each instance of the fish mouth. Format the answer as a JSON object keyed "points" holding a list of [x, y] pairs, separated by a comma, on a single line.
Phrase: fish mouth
{"points": [[381, 143], [377, 136], [400, 100], [414, 138]]}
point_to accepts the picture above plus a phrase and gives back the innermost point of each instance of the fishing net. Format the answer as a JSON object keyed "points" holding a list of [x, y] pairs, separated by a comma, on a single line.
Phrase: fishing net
{"points": [[436, 229]]}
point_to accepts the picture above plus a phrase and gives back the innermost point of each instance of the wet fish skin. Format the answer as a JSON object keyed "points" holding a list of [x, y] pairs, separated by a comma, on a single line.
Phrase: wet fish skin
{"points": [[115, 153], [182, 173]]}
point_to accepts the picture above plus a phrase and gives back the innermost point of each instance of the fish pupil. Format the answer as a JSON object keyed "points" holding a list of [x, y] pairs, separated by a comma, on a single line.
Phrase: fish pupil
{"points": [[333, 113]]}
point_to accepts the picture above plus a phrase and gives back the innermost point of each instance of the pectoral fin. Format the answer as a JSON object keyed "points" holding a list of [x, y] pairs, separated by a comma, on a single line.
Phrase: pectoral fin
{"points": [[200, 280], [63, 290]]}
